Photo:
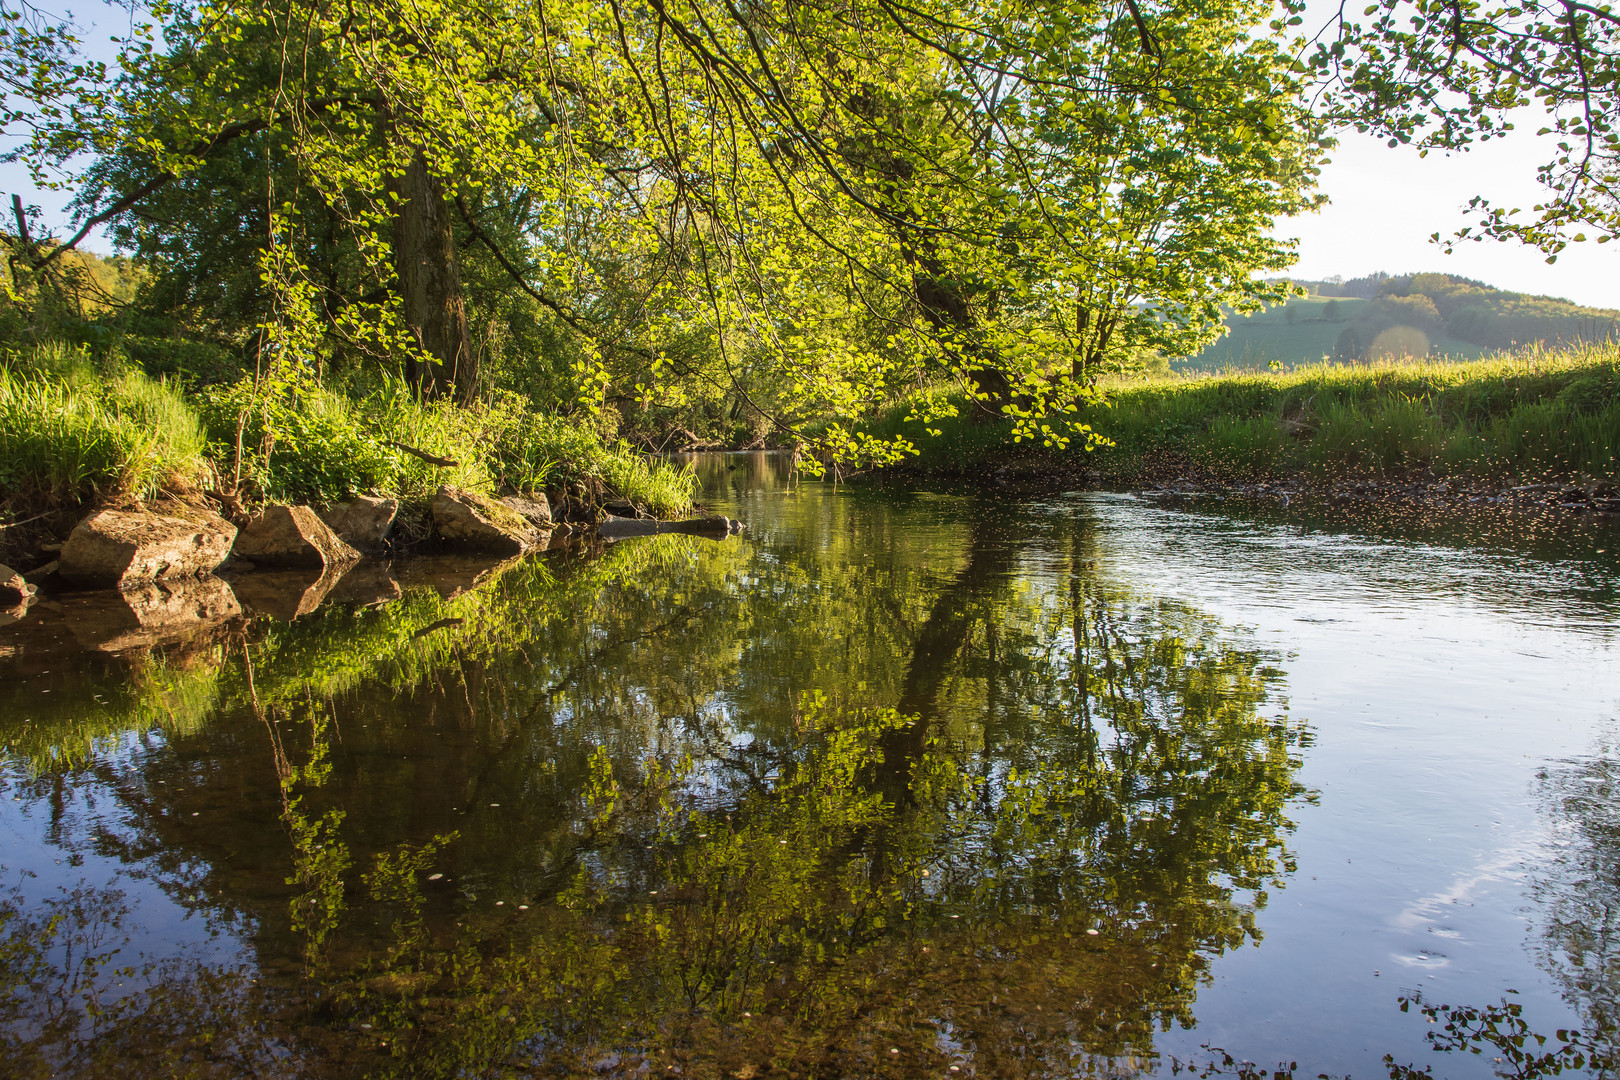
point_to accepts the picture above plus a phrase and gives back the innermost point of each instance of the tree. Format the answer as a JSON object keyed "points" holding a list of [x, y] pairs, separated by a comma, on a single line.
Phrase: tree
{"points": [[800, 206], [1348, 347], [1445, 75]]}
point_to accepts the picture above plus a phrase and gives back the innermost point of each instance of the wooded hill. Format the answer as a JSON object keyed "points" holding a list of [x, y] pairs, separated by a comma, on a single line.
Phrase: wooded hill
{"points": [[1383, 316]]}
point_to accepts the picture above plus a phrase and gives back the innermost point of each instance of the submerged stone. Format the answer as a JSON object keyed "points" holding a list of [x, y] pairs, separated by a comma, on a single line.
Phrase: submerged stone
{"points": [[617, 528], [292, 536], [452, 575], [368, 583], [147, 614], [285, 595], [119, 549], [13, 589]]}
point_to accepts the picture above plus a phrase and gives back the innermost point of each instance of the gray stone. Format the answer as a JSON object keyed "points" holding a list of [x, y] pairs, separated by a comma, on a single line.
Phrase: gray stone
{"points": [[363, 524], [292, 537], [534, 507], [480, 523], [119, 549]]}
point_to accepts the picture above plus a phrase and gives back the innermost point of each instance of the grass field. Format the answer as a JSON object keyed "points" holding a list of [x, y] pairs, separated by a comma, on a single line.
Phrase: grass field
{"points": [[1535, 415]]}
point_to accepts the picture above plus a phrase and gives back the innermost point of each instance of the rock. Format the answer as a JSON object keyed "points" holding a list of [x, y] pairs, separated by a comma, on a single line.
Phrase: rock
{"points": [[452, 575], [117, 549], [369, 583], [534, 507], [363, 524], [148, 613], [14, 591], [616, 528], [292, 536], [285, 595], [480, 523]]}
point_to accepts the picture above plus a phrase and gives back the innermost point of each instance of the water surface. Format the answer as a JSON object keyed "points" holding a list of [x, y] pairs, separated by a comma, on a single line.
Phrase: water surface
{"points": [[895, 784]]}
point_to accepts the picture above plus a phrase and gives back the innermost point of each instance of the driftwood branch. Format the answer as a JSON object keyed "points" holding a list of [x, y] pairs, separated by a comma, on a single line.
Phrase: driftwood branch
{"points": [[431, 459], [25, 521]]}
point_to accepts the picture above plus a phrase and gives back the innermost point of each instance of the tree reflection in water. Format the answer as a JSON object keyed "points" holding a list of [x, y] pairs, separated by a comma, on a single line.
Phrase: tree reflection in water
{"points": [[677, 812]]}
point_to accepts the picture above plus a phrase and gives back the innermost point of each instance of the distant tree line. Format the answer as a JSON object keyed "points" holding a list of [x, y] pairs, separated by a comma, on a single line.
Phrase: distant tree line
{"points": [[1404, 312]]}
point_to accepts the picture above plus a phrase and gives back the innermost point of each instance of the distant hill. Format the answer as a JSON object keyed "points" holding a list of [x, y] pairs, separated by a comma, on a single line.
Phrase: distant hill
{"points": [[1385, 316]]}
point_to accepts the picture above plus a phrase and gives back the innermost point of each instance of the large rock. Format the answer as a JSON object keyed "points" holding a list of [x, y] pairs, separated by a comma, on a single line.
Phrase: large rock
{"points": [[149, 614], [364, 523], [118, 549], [292, 537], [481, 524], [452, 575], [285, 595], [534, 508], [14, 591]]}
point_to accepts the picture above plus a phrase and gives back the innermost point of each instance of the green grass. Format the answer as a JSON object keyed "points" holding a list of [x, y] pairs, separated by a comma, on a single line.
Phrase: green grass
{"points": [[70, 433], [1535, 415]]}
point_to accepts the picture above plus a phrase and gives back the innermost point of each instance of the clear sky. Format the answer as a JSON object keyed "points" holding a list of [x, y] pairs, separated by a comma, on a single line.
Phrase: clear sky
{"points": [[1385, 204]]}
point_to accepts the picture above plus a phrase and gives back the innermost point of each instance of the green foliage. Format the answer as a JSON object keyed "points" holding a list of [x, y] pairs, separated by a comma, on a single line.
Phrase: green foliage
{"points": [[1017, 201], [67, 433], [1445, 76]]}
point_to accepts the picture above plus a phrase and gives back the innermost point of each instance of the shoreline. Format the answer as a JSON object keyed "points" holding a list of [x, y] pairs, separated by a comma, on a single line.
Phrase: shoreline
{"points": [[1591, 499]]}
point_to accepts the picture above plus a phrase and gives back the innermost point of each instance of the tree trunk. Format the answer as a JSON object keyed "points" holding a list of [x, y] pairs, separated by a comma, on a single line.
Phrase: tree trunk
{"points": [[944, 300], [952, 316], [430, 288]]}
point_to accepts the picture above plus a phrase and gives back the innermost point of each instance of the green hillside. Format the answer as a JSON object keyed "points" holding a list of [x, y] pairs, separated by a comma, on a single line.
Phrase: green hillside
{"points": [[1383, 316]]}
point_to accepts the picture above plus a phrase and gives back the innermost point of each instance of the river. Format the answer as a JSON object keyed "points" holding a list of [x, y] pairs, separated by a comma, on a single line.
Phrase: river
{"points": [[894, 784]]}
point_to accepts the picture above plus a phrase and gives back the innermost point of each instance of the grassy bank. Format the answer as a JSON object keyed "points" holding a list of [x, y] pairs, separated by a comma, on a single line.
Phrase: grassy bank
{"points": [[1526, 417], [71, 433]]}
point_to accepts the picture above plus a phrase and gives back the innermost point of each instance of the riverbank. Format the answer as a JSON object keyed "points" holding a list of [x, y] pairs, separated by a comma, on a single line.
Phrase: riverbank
{"points": [[1538, 429], [74, 436]]}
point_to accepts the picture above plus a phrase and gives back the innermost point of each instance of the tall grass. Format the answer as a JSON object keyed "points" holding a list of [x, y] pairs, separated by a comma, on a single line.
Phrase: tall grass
{"points": [[1527, 416], [68, 433], [309, 443], [71, 432]]}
